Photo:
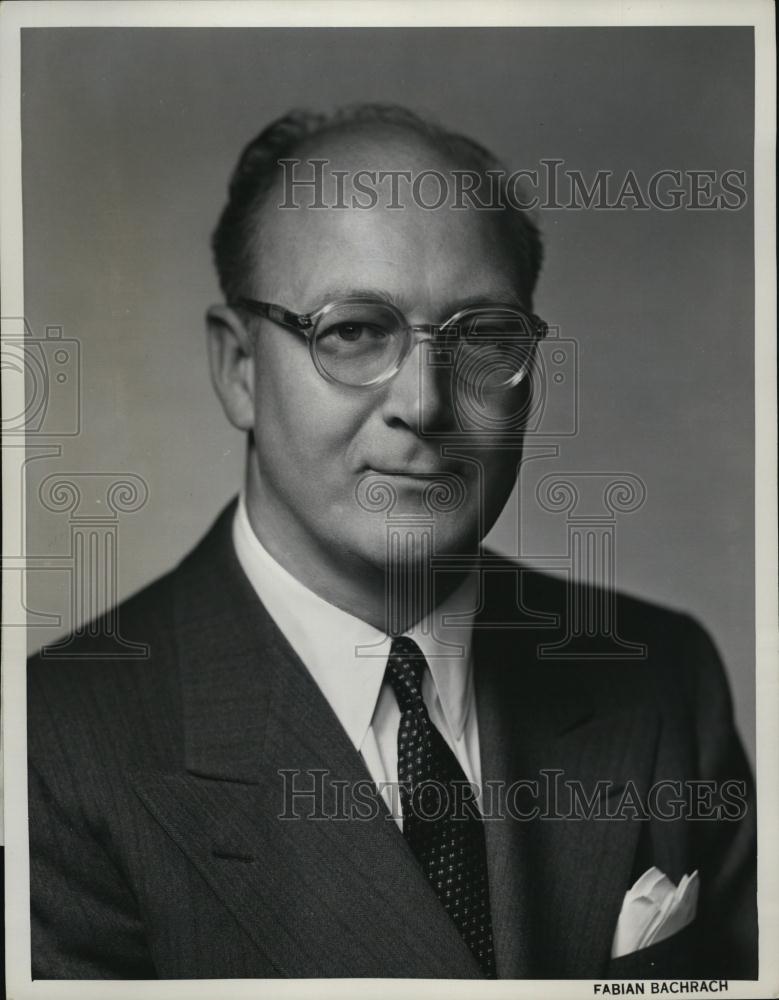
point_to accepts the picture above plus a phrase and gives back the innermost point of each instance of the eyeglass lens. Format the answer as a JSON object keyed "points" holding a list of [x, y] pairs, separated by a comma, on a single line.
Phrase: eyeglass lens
{"points": [[357, 344]]}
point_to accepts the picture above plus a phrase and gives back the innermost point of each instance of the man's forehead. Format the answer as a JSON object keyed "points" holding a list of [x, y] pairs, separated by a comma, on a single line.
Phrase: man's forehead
{"points": [[392, 244], [409, 254], [342, 166]]}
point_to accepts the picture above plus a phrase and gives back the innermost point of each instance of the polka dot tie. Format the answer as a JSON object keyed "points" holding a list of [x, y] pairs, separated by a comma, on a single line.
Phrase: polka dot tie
{"points": [[441, 820]]}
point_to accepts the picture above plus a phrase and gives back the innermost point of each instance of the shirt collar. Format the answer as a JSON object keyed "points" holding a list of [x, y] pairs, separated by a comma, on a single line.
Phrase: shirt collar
{"points": [[346, 656], [444, 636]]}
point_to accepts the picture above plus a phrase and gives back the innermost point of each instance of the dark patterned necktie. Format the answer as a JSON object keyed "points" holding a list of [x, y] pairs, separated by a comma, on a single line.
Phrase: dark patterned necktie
{"points": [[441, 820]]}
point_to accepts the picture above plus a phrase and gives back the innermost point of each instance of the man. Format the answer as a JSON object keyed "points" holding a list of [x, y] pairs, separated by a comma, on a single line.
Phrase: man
{"points": [[352, 750]]}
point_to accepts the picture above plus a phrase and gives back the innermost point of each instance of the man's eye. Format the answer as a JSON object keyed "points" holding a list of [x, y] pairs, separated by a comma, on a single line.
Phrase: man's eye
{"points": [[350, 333]]}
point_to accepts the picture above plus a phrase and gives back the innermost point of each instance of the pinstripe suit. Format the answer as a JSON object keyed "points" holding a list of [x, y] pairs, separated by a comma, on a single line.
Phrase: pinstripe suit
{"points": [[157, 851]]}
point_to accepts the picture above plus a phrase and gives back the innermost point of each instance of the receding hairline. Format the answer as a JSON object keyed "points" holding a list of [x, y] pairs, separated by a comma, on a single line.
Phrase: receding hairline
{"points": [[410, 148], [403, 137], [359, 137]]}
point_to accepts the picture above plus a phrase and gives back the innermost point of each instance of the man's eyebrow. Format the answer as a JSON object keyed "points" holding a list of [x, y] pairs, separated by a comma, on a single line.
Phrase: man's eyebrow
{"points": [[350, 292], [505, 296]]}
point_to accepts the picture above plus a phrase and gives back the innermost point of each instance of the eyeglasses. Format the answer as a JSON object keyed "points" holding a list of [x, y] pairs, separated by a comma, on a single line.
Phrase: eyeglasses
{"points": [[363, 342]]}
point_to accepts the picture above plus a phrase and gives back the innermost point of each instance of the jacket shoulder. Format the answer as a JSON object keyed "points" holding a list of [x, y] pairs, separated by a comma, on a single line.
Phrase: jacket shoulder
{"points": [[587, 636], [116, 679], [137, 635], [537, 589], [109, 690], [126, 638]]}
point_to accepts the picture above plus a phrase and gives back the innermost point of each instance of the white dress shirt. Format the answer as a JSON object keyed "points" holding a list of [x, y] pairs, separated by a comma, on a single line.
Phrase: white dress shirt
{"points": [[347, 658]]}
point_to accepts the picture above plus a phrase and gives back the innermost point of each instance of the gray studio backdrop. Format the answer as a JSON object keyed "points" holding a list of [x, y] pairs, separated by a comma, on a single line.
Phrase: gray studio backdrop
{"points": [[128, 140]]}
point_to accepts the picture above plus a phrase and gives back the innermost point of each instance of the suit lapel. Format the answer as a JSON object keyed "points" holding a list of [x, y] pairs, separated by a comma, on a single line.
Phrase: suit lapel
{"points": [[556, 884], [318, 896], [338, 897], [581, 868], [506, 864]]}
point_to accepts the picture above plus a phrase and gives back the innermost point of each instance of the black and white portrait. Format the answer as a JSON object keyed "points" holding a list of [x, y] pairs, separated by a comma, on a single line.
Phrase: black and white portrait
{"points": [[385, 503]]}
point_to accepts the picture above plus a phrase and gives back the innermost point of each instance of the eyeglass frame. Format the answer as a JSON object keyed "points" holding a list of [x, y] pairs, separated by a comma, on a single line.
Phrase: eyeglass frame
{"points": [[305, 324]]}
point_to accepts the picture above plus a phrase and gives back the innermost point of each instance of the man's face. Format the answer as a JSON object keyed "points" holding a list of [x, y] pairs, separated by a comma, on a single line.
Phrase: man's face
{"points": [[322, 448]]}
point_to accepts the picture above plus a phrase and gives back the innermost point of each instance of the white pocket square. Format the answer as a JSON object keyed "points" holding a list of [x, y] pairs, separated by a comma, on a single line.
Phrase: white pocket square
{"points": [[653, 910]]}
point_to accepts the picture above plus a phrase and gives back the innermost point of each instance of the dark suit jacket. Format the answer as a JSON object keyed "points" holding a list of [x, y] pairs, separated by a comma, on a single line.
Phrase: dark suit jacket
{"points": [[157, 851]]}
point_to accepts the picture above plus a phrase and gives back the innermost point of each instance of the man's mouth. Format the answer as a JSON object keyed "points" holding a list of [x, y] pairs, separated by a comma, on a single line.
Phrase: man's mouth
{"points": [[411, 473]]}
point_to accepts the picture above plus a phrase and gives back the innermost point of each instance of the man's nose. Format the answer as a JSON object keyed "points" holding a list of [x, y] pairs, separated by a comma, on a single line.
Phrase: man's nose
{"points": [[419, 395]]}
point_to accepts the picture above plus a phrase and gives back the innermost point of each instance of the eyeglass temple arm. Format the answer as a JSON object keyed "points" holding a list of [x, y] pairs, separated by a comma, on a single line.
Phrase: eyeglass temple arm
{"points": [[277, 314]]}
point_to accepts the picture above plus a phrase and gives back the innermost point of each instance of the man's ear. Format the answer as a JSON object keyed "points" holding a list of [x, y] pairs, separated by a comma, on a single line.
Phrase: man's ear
{"points": [[231, 359]]}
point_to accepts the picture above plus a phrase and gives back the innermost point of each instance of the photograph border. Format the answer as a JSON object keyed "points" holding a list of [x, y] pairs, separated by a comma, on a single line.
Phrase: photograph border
{"points": [[14, 17]]}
